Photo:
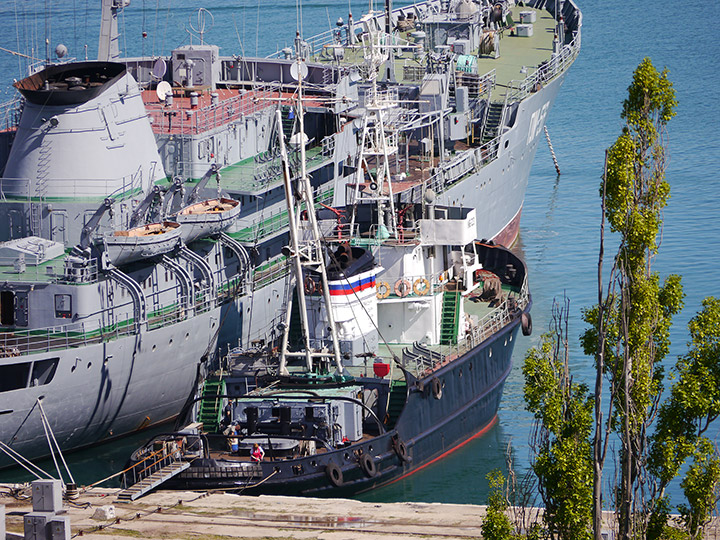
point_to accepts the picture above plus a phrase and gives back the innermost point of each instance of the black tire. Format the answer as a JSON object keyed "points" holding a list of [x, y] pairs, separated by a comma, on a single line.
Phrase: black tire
{"points": [[436, 388], [334, 473], [401, 450], [368, 465], [526, 324]]}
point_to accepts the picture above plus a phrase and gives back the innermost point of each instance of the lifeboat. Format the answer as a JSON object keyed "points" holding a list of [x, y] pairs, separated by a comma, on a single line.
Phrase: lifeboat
{"points": [[206, 218], [141, 242]]}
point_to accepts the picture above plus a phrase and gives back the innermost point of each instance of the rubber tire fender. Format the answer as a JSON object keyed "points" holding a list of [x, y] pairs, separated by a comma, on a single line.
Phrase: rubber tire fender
{"points": [[334, 473], [401, 450], [368, 465], [526, 324], [436, 387]]}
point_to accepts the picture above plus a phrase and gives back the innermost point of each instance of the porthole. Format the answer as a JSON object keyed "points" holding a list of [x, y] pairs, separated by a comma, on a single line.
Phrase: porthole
{"points": [[170, 342], [89, 364], [507, 143], [154, 348], [506, 342], [187, 336], [346, 456]]}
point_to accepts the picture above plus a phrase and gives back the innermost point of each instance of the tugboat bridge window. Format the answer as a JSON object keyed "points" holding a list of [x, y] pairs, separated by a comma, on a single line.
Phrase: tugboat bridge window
{"points": [[63, 306]]}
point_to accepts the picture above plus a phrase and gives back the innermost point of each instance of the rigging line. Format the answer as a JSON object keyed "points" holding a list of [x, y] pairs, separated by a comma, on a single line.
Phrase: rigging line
{"points": [[75, 41], [257, 29], [19, 459], [19, 54], [155, 31], [62, 458], [17, 36], [47, 436]]}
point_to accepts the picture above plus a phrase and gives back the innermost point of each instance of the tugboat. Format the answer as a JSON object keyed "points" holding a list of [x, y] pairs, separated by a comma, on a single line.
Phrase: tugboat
{"points": [[394, 353]]}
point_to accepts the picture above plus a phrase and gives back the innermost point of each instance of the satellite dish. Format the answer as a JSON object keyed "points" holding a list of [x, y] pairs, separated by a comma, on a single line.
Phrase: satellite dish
{"points": [[298, 70], [163, 90], [159, 69]]}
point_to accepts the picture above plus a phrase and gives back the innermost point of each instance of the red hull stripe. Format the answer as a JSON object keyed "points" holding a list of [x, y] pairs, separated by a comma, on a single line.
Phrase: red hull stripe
{"points": [[337, 289], [480, 433]]}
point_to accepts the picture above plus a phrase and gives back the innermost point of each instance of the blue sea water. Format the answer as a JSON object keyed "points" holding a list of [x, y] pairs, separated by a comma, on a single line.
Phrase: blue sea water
{"points": [[560, 224]]}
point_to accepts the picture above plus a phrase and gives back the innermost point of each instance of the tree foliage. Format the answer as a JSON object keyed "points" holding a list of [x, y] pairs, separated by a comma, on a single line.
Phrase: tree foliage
{"points": [[496, 525], [561, 441]]}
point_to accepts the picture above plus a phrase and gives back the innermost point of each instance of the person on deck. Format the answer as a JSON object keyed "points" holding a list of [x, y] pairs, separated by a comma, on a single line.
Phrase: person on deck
{"points": [[257, 454]]}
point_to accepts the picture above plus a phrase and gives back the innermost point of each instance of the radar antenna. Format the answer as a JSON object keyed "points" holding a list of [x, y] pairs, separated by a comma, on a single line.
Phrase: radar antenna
{"points": [[202, 24]]}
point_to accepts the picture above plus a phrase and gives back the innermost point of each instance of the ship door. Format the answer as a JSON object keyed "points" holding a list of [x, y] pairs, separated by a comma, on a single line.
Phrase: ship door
{"points": [[16, 224], [7, 308], [58, 226], [21, 309]]}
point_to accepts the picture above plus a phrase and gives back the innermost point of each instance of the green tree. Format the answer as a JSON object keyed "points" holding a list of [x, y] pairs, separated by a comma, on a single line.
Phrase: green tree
{"points": [[683, 420], [496, 525], [629, 334], [561, 440]]}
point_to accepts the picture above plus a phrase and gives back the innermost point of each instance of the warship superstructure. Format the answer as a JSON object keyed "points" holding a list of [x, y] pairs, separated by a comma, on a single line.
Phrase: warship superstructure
{"points": [[95, 150]]}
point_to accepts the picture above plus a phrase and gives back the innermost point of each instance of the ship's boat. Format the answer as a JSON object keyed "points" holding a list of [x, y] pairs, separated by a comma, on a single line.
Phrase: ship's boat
{"points": [[146, 241], [207, 217]]}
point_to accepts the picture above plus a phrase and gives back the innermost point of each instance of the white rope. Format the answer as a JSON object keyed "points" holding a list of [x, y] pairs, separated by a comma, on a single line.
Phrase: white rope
{"points": [[18, 458], [47, 436], [62, 458]]}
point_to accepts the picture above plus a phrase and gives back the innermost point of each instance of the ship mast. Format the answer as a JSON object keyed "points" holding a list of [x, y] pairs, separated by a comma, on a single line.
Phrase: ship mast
{"points": [[108, 46], [377, 143], [307, 253]]}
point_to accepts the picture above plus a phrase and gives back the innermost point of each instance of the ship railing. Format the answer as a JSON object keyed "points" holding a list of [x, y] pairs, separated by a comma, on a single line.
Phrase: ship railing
{"points": [[166, 453], [270, 272], [30, 190], [478, 85], [193, 121], [10, 114], [464, 164], [332, 231], [545, 72], [16, 342], [425, 360], [275, 222], [33, 268]]}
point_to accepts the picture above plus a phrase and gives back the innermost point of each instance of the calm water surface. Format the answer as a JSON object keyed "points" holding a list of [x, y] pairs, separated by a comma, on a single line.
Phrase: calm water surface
{"points": [[560, 224]]}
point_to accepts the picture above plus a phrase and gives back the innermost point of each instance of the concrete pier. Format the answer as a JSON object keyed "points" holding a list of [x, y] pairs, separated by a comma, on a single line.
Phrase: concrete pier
{"points": [[187, 515]]}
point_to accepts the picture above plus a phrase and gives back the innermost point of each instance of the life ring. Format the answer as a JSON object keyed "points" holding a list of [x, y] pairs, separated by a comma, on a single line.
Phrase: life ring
{"points": [[310, 285], [400, 450], [402, 287], [526, 324], [383, 290], [436, 386], [368, 465], [421, 286], [334, 473]]}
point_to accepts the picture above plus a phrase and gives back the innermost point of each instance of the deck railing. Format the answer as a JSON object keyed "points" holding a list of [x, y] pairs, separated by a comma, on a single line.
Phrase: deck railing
{"points": [[190, 122], [427, 361]]}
